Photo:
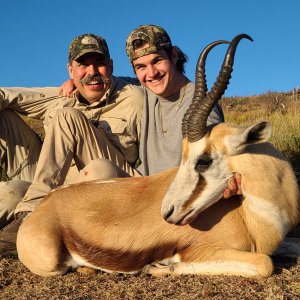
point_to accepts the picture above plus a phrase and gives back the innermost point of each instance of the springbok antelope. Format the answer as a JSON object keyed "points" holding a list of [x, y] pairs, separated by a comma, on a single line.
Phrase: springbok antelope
{"points": [[129, 225]]}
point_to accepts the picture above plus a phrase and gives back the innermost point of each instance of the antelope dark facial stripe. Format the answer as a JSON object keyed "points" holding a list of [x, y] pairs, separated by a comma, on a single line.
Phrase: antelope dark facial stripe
{"points": [[196, 193]]}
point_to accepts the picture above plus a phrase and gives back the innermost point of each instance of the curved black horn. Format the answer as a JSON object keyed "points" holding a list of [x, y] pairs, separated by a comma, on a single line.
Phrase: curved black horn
{"points": [[229, 58], [200, 85], [197, 121]]}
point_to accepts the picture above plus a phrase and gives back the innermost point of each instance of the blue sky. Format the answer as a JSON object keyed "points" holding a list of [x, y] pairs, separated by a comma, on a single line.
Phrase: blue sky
{"points": [[35, 36]]}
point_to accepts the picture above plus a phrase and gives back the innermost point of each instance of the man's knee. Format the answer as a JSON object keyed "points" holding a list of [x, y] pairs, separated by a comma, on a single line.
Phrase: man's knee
{"points": [[71, 120], [102, 169], [69, 113]]}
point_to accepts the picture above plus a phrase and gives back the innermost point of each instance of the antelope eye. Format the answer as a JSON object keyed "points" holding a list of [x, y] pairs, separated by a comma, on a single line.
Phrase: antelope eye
{"points": [[203, 164]]}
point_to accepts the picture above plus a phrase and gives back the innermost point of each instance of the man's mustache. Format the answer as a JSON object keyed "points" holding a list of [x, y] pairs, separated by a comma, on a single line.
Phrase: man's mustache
{"points": [[90, 78]]}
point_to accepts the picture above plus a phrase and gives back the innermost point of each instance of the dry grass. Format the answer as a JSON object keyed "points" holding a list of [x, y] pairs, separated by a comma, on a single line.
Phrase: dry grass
{"points": [[16, 282], [281, 110]]}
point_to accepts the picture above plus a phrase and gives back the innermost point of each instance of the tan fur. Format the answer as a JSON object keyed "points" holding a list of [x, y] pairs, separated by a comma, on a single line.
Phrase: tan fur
{"points": [[118, 227]]}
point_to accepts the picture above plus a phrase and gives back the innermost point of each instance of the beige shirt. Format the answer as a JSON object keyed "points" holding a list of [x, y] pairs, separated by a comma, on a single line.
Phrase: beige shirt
{"points": [[118, 112]]}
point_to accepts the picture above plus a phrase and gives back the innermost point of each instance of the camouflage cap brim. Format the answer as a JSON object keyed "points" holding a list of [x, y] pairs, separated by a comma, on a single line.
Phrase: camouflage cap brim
{"points": [[85, 51]]}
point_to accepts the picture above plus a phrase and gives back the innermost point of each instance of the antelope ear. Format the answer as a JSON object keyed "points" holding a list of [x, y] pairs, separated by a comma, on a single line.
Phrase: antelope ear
{"points": [[254, 134]]}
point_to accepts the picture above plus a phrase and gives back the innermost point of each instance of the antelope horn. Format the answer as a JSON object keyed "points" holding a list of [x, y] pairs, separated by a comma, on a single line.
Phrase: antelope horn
{"points": [[197, 120], [200, 86]]}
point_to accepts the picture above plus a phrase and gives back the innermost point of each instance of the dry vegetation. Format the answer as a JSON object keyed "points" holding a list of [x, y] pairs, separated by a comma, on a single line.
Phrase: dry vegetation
{"points": [[283, 111], [16, 282]]}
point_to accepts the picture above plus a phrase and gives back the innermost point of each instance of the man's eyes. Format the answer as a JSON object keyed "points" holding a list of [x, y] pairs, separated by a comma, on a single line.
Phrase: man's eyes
{"points": [[98, 64], [158, 60], [155, 62], [139, 67], [101, 63]]}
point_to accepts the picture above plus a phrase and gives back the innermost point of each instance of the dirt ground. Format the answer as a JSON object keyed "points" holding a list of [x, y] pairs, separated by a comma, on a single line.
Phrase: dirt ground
{"points": [[16, 282]]}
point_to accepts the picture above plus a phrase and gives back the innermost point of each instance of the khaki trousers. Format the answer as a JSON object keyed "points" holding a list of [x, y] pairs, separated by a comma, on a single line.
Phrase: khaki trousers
{"points": [[70, 137]]}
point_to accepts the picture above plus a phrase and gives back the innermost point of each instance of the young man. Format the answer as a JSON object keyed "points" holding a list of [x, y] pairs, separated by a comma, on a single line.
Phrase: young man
{"points": [[102, 119], [159, 67]]}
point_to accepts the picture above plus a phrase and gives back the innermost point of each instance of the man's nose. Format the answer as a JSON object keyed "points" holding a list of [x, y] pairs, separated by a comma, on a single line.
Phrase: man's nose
{"points": [[152, 71], [93, 69]]}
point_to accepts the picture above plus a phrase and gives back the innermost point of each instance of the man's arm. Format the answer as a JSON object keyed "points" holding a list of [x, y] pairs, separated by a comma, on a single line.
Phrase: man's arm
{"points": [[67, 88], [32, 102]]}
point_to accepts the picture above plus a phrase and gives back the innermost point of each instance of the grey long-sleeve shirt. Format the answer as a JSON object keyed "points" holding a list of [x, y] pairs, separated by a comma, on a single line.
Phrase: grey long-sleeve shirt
{"points": [[161, 136]]}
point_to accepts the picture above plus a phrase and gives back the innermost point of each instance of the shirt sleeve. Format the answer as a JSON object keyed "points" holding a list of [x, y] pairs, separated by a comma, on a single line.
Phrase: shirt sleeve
{"points": [[32, 102]]}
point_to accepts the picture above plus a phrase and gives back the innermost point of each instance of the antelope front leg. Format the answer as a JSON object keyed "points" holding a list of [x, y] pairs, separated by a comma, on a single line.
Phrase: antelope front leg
{"points": [[221, 262]]}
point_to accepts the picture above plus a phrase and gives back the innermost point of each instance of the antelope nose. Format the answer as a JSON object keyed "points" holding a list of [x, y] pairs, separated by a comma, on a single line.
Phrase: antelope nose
{"points": [[168, 213]]}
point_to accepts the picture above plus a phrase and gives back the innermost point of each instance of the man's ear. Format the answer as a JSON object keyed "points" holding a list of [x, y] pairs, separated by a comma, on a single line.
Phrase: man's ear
{"points": [[70, 69]]}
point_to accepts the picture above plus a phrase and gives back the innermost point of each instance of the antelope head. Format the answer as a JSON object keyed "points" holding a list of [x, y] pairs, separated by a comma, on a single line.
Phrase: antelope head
{"points": [[203, 173]]}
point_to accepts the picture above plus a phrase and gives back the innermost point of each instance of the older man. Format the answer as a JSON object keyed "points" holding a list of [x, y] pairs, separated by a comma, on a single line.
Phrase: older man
{"points": [[101, 119]]}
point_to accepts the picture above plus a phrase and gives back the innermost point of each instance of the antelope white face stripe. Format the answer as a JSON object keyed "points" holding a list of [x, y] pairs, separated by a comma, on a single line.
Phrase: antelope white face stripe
{"points": [[216, 177], [185, 181]]}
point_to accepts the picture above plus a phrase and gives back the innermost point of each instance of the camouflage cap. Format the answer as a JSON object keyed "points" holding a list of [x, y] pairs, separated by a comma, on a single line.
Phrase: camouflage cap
{"points": [[86, 43], [154, 35]]}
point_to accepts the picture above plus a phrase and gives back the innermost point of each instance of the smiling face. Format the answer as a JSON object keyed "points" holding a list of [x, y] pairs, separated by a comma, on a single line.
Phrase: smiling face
{"points": [[158, 72], [92, 75]]}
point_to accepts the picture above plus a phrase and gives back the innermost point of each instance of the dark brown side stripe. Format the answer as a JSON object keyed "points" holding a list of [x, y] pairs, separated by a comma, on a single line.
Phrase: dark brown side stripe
{"points": [[117, 259]]}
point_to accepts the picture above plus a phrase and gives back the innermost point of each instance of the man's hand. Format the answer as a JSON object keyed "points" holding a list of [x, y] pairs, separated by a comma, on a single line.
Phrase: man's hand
{"points": [[234, 186], [67, 88]]}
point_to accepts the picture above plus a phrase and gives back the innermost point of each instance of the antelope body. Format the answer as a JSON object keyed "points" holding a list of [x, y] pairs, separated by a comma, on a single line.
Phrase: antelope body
{"points": [[120, 225]]}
